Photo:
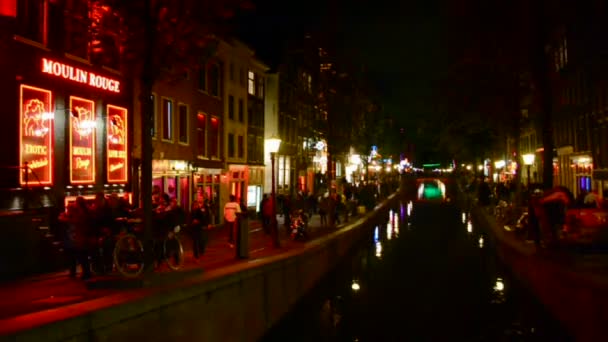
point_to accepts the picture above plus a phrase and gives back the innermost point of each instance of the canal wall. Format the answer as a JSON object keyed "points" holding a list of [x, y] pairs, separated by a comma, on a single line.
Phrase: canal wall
{"points": [[576, 296], [239, 302]]}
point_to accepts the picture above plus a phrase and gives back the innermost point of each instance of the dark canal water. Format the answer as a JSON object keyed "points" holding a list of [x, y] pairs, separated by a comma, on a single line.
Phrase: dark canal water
{"points": [[431, 275]]}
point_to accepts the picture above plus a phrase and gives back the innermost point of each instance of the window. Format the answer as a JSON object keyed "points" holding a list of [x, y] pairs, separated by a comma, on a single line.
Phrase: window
{"points": [[167, 119], [231, 71], [251, 83], [202, 77], [214, 80], [230, 145], [32, 18], [104, 45], [241, 114], [201, 131], [153, 116], [260, 87], [241, 146], [76, 22], [182, 128], [251, 141], [214, 138], [242, 76], [230, 107]]}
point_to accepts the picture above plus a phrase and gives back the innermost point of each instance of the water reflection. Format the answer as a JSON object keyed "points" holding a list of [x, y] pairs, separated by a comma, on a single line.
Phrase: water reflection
{"points": [[431, 282]]}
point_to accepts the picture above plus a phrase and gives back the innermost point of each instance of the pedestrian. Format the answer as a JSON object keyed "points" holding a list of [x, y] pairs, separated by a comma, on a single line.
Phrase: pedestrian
{"points": [[200, 223], [231, 209], [78, 221], [267, 211]]}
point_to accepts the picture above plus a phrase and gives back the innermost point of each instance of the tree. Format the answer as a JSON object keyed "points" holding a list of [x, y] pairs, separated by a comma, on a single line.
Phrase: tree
{"points": [[155, 35]]}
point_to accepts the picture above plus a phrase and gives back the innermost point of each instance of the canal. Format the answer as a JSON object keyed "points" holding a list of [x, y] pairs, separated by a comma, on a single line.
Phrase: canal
{"points": [[427, 273]]}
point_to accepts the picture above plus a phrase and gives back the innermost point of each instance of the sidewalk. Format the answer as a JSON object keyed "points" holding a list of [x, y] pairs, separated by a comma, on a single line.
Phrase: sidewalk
{"points": [[58, 289]]}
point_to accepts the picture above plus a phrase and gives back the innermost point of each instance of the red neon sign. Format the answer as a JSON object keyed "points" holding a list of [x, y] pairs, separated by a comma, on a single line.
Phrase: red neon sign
{"points": [[117, 144], [8, 8], [82, 141], [36, 136], [78, 75]]}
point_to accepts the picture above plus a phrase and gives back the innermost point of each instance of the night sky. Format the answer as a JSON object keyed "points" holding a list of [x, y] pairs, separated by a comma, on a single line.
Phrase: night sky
{"points": [[400, 43]]}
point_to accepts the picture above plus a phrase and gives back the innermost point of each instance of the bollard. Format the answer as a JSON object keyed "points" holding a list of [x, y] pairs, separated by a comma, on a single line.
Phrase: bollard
{"points": [[242, 237]]}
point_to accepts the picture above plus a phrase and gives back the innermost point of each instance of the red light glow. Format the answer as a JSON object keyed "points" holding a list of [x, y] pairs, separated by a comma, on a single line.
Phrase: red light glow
{"points": [[8, 8], [36, 136], [82, 141], [117, 144]]}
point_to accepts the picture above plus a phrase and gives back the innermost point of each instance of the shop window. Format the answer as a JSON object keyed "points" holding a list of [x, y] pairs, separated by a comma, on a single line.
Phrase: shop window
{"points": [[241, 146], [167, 119], [230, 107], [214, 138], [36, 135], [183, 124], [32, 20], [201, 127], [230, 145]]}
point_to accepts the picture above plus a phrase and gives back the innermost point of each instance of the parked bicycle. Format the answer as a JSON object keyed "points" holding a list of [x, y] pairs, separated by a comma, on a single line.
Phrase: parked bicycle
{"points": [[129, 256]]}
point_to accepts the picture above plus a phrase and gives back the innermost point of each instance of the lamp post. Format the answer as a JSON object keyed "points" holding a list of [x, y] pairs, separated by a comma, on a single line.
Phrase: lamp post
{"points": [[273, 145], [528, 161]]}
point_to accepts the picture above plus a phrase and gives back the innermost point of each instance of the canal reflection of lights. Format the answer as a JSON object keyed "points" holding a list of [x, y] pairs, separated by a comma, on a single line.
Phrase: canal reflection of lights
{"points": [[464, 217], [396, 226], [499, 291], [389, 231], [377, 234], [481, 242], [469, 227], [378, 249], [355, 286], [409, 208]]}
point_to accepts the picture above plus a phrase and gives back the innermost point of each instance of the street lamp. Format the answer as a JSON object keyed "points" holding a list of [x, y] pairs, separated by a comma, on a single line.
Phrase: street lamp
{"points": [[273, 145], [528, 161]]}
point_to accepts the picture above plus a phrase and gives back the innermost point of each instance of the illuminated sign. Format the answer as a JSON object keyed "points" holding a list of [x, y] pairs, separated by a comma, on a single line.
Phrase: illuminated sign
{"points": [[116, 144], [82, 141], [36, 136], [79, 75]]}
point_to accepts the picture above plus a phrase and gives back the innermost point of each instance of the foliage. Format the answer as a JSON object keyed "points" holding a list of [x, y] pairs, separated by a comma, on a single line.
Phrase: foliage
{"points": [[172, 34]]}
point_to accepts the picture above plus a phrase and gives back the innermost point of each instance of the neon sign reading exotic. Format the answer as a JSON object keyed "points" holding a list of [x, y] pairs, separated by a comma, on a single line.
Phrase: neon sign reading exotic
{"points": [[36, 136], [75, 74], [117, 144], [82, 141]]}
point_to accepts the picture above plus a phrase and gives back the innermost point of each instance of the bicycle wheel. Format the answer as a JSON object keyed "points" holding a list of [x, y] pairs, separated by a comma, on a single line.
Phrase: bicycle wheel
{"points": [[129, 256], [173, 252]]}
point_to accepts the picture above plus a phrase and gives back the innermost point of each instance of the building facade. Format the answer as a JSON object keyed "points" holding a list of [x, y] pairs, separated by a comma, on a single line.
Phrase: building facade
{"points": [[67, 122]]}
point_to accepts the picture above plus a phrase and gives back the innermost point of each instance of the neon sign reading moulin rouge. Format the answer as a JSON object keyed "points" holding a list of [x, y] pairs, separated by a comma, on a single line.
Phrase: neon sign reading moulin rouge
{"points": [[78, 75]]}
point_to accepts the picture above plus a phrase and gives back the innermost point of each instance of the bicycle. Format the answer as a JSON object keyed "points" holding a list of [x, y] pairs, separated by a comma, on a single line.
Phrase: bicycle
{"points": [[172, 249], [128, 252]]}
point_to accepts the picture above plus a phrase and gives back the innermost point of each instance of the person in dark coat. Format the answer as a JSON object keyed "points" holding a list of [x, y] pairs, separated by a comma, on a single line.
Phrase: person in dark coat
{"points": [[200, 223], [78, 234]]}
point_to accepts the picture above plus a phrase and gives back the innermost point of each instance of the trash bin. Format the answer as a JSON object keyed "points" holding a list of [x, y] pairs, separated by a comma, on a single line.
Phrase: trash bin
{"points": [[242, 237]]}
